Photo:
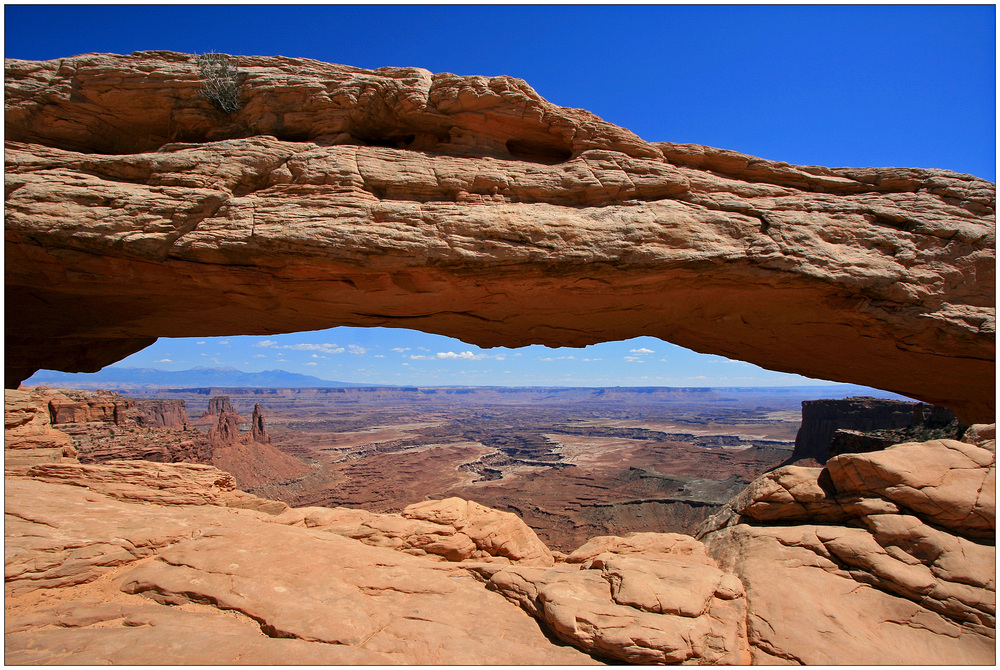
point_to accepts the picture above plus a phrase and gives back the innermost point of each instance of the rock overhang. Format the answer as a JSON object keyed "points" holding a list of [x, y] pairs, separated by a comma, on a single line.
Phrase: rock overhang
{"points": [[313, 207]]}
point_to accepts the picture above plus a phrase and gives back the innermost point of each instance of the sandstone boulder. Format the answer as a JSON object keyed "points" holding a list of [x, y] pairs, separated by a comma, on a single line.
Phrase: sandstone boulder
{"points": [[452, 529], [635, 607], [904, 562], [811, 599], [471, 207], [496, 533], [982, 435], [949, 482], [641, 544]]}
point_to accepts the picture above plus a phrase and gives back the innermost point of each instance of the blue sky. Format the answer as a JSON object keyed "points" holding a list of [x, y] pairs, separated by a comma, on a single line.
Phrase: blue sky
{"points": [[858, 85]]}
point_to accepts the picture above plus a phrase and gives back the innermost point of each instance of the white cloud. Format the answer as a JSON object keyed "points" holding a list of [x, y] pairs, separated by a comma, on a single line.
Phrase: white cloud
{"points": [[355, 349], [260, 355], [592, 359], [378, 356], [324, 347], [633, 359], [315, 355], [460, 356], [225, 342], [641, 351], [312, 363], [164, 360], [202, 342], [400, 350]]}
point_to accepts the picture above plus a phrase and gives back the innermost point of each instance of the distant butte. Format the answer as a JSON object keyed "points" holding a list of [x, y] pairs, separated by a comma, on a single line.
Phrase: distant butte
{"points": [[470, 207]]}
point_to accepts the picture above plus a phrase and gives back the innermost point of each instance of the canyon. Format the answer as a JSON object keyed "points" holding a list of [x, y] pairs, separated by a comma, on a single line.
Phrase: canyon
{"points": [[571, 463], [471, 207]]}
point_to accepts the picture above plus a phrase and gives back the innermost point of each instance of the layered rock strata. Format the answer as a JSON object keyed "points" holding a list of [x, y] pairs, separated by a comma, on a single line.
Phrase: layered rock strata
{"points": [[29, 436], [217, 404], [470, 207], [871, 552], [821, 419], [250, 457], [70, 406], [46, 424]]}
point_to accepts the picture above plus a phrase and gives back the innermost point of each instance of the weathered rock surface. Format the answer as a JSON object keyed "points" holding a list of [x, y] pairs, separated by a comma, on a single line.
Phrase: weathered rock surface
{"points": [[467, 206], [899, 543], [70, 406], [866, 561], [217, 405], [453, 529], [28, 433], [43, 425], [85, 570], [148, 482], [636, 606]]}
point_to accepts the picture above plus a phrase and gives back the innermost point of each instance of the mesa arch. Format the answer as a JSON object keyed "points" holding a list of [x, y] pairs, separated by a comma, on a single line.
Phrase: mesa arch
{"points": [[469, 207]]}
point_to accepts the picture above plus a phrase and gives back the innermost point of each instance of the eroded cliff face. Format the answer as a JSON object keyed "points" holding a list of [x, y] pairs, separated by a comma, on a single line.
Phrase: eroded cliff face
{"points": [[470, 207]]}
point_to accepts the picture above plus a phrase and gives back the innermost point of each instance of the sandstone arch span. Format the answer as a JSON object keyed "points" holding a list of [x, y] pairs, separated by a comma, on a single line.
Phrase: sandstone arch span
{"points": [[470, 207]]}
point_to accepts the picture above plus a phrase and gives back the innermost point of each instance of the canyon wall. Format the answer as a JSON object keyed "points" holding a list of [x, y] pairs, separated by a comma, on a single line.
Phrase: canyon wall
{"points": [[67, 406], [106, 426], [821, 418], [831, 427], [470, 207]]}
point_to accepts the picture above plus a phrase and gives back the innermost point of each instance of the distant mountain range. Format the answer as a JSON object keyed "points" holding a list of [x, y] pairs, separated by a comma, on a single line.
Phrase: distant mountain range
{"points": [[125, 378]]}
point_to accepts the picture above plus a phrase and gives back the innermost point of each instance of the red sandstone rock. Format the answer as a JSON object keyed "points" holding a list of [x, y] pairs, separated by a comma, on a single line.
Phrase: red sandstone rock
{"points": [[875, 583], [653, 609], [949, 482], [28, 433], [251, 458], [496, 533], [468, 206], [217, 405], [160, 483], [453, 529], [87, 576], [904, 561]]}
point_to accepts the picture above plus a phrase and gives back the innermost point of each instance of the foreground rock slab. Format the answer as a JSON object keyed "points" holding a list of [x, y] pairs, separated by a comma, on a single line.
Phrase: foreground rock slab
{"points": [[96, 579], [125, 561], [470, 207]]}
